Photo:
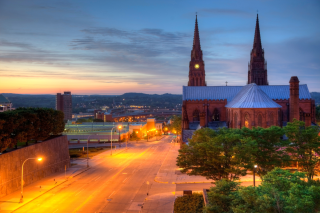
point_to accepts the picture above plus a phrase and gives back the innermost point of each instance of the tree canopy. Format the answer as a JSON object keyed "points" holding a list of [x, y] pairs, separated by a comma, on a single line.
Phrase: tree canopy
{"points": [[304, 146], [280, 192], [230, 153], [176, 124], [25, 124]]}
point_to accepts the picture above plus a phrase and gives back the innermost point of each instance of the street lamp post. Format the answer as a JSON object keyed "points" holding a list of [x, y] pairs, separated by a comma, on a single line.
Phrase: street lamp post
{"points": [[88, 149], [147, 136], [119, 127], [111, 138], [254, 175], [21, 198]]}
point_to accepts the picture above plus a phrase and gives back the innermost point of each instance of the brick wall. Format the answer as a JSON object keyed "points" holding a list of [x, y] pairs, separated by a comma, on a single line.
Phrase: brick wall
{"points": [[55, 156]]}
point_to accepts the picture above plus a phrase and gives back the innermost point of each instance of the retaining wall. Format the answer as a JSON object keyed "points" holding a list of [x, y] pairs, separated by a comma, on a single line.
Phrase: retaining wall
{"points": [[55, 156]]}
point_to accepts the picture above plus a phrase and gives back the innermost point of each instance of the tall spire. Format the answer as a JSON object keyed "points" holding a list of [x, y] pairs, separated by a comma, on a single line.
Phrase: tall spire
{"points": [[257, 37], [196, 52], [196, 37], [197, 76], [257, 70]]}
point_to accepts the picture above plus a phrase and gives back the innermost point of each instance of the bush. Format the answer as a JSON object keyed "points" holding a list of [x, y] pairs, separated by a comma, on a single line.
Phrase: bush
{"points": [[189, 204]]}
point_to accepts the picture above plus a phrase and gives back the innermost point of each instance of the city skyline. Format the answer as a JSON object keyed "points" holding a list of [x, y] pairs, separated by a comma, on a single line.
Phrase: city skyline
{"points": [[102, 48]]}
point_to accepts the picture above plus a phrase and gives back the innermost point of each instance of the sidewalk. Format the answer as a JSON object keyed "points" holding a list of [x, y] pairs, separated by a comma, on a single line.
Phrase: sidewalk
{"points": [[169, 173], [34, 190]]}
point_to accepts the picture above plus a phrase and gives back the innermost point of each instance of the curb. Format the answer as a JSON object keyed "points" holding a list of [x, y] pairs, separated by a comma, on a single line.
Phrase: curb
{"points": [[160, 181], [50, 189], [192, 182]]}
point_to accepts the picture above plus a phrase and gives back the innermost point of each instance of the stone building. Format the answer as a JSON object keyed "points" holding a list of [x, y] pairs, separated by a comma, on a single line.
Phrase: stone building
{"points": [[252, 105]]}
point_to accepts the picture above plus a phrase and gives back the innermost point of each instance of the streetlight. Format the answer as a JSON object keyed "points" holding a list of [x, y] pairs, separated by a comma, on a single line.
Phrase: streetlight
{"points": [[254, 175], [120, 127], [88, 149], [21, 198]]}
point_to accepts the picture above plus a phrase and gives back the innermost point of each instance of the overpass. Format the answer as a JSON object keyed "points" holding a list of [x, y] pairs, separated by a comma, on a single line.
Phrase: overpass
{"points": [[144, 115]]}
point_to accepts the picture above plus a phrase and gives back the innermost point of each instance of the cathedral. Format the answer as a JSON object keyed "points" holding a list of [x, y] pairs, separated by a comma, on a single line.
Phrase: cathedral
{"points": [[255, 104]]}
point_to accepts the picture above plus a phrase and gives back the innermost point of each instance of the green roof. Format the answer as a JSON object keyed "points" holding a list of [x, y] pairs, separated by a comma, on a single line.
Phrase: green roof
{"points": [[3, 99]]}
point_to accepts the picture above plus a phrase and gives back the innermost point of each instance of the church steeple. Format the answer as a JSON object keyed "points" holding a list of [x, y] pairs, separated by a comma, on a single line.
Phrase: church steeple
{"points": [[196, 49], [196, 66], [257, 37], [257, 68]]}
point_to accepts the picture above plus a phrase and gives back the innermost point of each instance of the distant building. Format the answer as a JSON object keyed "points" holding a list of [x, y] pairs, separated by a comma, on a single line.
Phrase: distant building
{"points": [[103, 115], [5, 104], [64, 104]]}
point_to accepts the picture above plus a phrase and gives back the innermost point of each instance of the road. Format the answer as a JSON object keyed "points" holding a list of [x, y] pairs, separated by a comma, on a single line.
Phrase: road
{"points": [[113, 184]]}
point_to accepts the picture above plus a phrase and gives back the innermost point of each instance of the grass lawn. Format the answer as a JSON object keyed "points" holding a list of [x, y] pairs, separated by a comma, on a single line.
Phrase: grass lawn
{"points": [[79, 153]]}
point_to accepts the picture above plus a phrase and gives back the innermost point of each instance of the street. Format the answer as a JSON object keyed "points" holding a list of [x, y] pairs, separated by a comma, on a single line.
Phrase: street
{"points": [[115, 183]]}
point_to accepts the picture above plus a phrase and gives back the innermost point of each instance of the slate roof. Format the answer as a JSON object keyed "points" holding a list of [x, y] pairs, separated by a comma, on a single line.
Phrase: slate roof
{"points": [[252, 96], [229, 92], [3, 99]]}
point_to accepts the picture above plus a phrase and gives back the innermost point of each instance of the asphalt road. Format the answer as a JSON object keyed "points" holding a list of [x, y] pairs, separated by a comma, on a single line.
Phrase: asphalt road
{"points": [[115, 183]]}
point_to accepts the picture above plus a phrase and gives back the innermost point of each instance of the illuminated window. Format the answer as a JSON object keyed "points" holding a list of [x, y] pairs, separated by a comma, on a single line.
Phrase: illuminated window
{"points": [[246, 120]]}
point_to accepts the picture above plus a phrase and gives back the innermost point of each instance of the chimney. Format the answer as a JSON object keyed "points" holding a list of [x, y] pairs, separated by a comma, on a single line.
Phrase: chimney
{"points": [[308, 119], [294, 98]]}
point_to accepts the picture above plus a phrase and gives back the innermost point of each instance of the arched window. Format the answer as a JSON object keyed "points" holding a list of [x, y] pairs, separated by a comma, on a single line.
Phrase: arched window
{"points": [[246, 120], [271, 119], [216, 115], [260, 120], [235, 121], [200, 83], [196, 116]]}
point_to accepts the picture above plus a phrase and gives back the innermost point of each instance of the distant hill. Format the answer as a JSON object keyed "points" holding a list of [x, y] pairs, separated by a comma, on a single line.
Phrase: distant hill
{"points": [[80, 103], [316, 97]]}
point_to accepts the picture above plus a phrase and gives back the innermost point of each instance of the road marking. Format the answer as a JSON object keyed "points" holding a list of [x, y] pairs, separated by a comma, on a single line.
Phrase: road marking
{"points": [[83, 203], [79, 192], [55, 211], [97, 178], [124, 180], [112, 193]]}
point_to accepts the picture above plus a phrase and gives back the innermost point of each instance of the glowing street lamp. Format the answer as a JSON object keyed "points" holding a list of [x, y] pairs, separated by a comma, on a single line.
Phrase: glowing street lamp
{"points": [[254, 175], [120, 127], [21, 198]]}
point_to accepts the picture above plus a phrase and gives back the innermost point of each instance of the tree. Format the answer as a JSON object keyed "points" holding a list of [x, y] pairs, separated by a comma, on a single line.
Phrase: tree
{"points": [[265, 147], [25, 124], [318, 113], [280, 191], [220, 196], [5, 140], [176, 124], [189, 204], [134, 136], [304, 146], [213, 154]]}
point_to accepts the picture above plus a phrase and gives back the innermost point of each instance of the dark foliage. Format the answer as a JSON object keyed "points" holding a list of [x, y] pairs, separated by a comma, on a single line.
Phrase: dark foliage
{"points": [[189, 204], [25, 124]]}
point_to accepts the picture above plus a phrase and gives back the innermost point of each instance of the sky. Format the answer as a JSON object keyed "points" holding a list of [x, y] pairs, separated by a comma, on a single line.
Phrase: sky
{"points": [[114, 47]]}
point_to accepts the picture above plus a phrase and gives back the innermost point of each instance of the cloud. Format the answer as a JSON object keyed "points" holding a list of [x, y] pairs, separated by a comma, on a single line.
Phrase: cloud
{"points": [[145, 42], [228, 12]]}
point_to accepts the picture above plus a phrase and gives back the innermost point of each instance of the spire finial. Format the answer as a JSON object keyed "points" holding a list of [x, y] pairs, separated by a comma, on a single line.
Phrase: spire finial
{"points": [[257, 37]]}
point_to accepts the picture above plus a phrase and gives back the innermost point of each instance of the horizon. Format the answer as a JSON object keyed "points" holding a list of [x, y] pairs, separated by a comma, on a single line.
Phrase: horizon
{"points": [[111, 49]]}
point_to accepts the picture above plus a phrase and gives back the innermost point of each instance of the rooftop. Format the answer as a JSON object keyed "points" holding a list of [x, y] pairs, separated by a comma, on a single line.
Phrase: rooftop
{"points": [[252, 96]]}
